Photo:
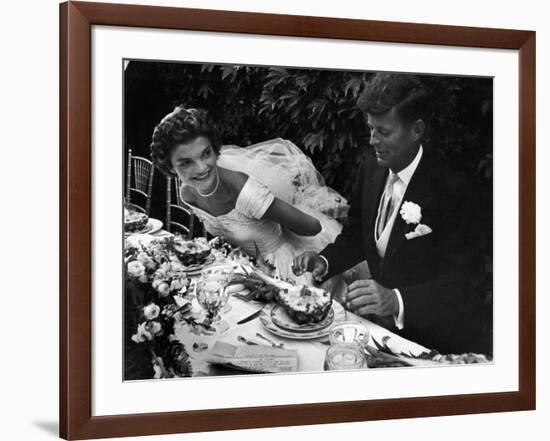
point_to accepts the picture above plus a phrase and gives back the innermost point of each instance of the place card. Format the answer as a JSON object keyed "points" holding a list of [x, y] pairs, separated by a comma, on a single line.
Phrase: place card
{"points": [[254, 358]]}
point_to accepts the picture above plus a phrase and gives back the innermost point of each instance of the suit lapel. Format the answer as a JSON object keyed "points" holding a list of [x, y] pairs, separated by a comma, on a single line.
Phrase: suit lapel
{"points": [[419, 191], [373, 194]]}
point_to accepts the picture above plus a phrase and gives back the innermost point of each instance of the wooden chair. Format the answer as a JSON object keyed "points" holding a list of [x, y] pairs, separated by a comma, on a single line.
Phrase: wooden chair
{"points": [[179, 216], [139, 180]]}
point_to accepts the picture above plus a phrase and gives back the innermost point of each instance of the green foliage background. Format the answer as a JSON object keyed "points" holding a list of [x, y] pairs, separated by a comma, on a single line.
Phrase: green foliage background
{"points": [[315, 109]]}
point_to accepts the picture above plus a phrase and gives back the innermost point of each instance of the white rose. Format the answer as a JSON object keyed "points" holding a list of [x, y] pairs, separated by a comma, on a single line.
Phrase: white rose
{"points": [[160, 274], [156, 283], [154, 328], [175, 285], [151, 311], [142, 334], [176, 265], [163, 289], [136, 268], [146, 260], [411, 212], [143, 257]]}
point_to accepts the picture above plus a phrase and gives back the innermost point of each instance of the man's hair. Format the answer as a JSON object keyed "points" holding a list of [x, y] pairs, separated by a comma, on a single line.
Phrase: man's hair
{"points": [[405, 92]]}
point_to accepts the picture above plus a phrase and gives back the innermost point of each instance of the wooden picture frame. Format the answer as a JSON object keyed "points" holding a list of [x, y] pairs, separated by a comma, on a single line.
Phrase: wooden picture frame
{"points": [[76, 20]]}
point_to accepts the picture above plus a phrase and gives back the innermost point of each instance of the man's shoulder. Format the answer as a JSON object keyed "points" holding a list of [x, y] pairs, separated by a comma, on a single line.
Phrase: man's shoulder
{"points": [[443, 177], [449, 180], [368, 166]]}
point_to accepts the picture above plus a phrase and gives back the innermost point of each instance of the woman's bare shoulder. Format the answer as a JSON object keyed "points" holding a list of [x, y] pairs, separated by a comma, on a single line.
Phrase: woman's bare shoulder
{"points": [[188, 194], [235, 179]]}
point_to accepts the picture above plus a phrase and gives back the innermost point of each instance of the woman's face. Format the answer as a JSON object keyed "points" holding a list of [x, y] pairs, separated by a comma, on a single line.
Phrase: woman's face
{"points": [[195, 164]]}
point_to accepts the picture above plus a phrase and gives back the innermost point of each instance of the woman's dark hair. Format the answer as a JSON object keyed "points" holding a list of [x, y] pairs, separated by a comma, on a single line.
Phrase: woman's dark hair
{"points": [[405, 92], [181, 126]]}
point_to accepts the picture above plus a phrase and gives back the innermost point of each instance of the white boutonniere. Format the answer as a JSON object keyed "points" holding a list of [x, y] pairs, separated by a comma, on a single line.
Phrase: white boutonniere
{"points": [[412, 215]]}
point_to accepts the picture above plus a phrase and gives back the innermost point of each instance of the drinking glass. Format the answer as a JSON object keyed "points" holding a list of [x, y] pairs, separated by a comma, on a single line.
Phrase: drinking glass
{"points": [[227, 272], [212, 296], [350, 331], [348, 340], [345, 356]]}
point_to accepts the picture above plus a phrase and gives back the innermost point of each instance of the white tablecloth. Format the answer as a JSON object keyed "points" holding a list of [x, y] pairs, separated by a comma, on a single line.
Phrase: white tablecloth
{"points": [[311, 353]]}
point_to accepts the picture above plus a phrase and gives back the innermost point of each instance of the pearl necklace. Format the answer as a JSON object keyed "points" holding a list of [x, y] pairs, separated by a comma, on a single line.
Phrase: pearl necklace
{"points": [[207, 195]]}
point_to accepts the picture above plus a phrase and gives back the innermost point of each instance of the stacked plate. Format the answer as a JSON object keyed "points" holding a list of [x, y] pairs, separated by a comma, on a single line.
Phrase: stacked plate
{"points": [[275, 319]]}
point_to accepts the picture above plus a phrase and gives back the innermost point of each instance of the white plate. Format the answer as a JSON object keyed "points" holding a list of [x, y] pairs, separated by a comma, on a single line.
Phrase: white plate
{"points": [[280, 318], [153, 225], [267, 322]]}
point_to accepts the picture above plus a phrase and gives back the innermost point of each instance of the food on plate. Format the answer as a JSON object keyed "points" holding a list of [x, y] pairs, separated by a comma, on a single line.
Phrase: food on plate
{"points": [[191, 252], [134, 221], [305, 304], [257, 289]]}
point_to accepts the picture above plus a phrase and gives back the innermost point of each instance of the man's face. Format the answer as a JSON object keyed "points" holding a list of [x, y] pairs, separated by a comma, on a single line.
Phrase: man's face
{"points": [[395, 143]]}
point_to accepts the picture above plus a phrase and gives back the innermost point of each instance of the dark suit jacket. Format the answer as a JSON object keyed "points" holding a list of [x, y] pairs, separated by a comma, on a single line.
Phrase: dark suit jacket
{"points": [[439, 275]]}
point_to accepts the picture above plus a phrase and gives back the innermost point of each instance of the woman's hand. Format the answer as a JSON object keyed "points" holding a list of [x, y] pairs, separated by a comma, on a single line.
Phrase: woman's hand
{"points": [[293, 219], [309, 261]]}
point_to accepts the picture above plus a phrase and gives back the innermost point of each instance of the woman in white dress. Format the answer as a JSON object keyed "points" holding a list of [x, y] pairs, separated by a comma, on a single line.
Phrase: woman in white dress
{"points": [[265, 197]]}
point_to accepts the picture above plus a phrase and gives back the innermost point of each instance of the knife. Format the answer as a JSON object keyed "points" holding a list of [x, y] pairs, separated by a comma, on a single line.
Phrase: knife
{"points": [[250, 317]]}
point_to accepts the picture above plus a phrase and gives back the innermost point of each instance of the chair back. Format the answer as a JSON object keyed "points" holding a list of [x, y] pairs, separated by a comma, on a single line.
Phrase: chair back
{"points": [[179, 216], [139, 180]]}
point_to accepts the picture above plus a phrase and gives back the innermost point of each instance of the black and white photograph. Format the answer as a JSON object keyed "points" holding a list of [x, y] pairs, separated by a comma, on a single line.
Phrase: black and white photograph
{"points": [[284, 219]]}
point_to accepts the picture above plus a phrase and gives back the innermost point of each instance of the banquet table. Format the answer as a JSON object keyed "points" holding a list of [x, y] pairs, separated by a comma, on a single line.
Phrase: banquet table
{"points": [[311, 352]]}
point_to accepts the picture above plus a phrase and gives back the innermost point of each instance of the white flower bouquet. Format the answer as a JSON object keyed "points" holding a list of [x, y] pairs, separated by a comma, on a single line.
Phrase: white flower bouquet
{"points": [[154, 263]]}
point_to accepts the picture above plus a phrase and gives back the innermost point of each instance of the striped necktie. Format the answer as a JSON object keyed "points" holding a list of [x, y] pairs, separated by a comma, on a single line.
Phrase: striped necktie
{"points": [[388, 203]]}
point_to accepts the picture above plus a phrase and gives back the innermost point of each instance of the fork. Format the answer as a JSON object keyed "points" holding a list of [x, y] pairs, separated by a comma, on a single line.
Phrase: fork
{"points": [[242, 339], [247, 297], [271, 342]]}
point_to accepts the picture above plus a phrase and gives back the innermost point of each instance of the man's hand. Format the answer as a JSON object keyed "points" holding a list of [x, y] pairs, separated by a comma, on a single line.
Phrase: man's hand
{"points": [[366, 297], [309, 261]]}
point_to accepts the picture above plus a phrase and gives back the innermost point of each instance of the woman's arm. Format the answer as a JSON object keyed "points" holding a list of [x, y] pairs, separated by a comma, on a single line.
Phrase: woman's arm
{"points": [[292, 218], [286, 215]]}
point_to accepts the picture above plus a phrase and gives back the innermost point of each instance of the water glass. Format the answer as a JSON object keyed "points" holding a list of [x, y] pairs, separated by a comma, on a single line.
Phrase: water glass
{"points": [[212, 296], [345, 356], [224, 270], [349, 332]]}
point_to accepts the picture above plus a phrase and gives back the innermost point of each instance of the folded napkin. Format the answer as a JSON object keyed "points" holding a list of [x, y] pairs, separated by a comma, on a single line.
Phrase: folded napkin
{"points": [[254, 358]]}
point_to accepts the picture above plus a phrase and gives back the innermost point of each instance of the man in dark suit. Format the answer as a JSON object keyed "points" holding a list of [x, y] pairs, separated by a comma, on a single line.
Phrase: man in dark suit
{"points": [[416, 223]]}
